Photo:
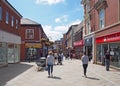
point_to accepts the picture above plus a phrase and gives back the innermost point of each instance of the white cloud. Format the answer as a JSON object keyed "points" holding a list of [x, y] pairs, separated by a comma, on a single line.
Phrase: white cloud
{"points": [[61, 28], [75, 22], [50, 2], [64, 18], [57, 20], [55, 33]]}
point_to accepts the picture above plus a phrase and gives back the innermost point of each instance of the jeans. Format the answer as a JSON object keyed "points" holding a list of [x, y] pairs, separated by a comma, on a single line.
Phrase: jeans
{"points": [[85, 68], [107, 64], [50, 69]]}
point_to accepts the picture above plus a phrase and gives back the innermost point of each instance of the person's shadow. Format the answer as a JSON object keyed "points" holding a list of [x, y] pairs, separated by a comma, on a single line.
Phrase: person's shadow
{"points": [[55, 77], [93, 78]]}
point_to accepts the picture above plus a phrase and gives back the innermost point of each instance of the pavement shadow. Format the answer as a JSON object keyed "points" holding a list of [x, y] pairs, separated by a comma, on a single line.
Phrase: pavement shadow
{"points": [[12, 71], [55, 77], [93, 78]]}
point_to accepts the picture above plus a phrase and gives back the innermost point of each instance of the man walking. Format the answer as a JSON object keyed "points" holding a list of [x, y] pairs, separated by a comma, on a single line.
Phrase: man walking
{"points": [[107, 60], [85, 60]]}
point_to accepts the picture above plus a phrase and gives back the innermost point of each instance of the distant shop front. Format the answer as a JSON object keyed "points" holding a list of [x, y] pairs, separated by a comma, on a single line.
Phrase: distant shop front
{"points": [[78, 47]]}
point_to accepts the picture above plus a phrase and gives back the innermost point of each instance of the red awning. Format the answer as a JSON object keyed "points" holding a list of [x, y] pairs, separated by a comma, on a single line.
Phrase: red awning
{"points": [[109, 38]]}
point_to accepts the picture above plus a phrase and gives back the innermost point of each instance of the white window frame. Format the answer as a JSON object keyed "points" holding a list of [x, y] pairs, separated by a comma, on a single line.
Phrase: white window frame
{"points": [[0, 13], [101, 18], [7, 17], [29, 32]]}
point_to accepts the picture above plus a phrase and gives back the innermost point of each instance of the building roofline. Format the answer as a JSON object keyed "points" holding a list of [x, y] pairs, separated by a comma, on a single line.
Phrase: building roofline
{"points": [[71, 28], [12, 7]]}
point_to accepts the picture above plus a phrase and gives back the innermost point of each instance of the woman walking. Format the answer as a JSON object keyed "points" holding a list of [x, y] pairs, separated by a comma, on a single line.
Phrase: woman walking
{"points": [[85, 60], [49, 63]]}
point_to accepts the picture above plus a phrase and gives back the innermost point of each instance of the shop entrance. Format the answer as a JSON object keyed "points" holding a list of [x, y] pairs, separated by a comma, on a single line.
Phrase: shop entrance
{"points": [[89, 52], [31, 54]]}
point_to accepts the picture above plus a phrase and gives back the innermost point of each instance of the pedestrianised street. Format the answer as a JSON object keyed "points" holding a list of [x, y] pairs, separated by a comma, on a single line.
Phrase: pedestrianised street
{"points": [[68, 74]]}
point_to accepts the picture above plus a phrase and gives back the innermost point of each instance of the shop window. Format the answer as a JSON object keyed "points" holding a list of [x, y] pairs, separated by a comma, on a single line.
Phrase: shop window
{"points": [[7, 17], [101, 50], [101, 18], [3, 52], [115, 53], [0, 13], [29, 33]]}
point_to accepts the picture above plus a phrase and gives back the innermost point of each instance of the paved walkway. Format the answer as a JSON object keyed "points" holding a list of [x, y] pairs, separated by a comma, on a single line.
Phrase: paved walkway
{"points": [[68, 74]]}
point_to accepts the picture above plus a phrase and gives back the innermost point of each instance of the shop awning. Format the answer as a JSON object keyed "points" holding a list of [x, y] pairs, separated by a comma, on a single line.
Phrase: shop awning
{"points": [[109, 38], [33, 45]]}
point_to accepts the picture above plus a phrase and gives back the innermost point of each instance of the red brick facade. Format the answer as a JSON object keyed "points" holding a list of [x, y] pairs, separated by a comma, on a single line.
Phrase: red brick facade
{"points": [[10, 39], [12, 12], [31, 43]]}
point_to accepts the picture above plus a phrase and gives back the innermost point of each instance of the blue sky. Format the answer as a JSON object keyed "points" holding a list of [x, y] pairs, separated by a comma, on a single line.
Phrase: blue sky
{"points": [[55, 16]]}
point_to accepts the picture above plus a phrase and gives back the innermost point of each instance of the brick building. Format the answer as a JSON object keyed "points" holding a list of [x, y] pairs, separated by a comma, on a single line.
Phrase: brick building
{"points": [[104, 17], [78, 43], [31, 34], [10, 39]]}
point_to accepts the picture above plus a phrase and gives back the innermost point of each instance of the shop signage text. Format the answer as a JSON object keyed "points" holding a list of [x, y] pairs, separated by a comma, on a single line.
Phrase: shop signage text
{"points": [[109, 38], [78, 43]]}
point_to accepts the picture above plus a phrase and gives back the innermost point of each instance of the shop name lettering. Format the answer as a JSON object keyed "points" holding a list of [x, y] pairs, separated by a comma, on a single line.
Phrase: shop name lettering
{"points": [[114, 38], [78, 43]]}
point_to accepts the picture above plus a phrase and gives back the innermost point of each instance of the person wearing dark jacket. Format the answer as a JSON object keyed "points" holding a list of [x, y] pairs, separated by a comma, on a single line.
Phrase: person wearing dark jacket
{"points": [[107, 60]]}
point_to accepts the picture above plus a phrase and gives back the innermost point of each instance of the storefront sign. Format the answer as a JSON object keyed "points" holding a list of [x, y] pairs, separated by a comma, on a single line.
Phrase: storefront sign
{"points": [[78, 43], [109, 38], [88, 41], [33, 45]]}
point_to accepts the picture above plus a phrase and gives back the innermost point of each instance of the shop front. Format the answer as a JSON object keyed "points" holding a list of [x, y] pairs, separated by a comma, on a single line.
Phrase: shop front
{"points": [[9, 48], [13, 54], [109, 42], [78, 47], [33, 51]]}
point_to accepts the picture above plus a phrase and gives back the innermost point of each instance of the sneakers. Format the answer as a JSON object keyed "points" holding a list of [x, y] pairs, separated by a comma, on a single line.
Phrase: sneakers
{"points": [[50, 76], [85, 76]]}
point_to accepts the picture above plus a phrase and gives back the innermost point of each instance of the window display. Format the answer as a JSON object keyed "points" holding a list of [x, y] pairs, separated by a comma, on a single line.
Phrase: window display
{"points": [[114, 52]]}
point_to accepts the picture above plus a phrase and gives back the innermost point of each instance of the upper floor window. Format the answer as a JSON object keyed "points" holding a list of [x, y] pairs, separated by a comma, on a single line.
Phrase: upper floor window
{"points": [[29, 33], [88, 28], [7, 17], [16, 24], [101, 18], [12, 21], [0, 13]]}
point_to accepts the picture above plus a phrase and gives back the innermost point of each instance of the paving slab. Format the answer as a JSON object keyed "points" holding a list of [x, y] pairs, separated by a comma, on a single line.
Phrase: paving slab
{"points": [[68, 74]]}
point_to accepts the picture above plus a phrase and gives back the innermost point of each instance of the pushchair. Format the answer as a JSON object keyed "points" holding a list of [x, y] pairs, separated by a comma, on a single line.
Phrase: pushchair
{"points": [[41, 63], [59, 60]]}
